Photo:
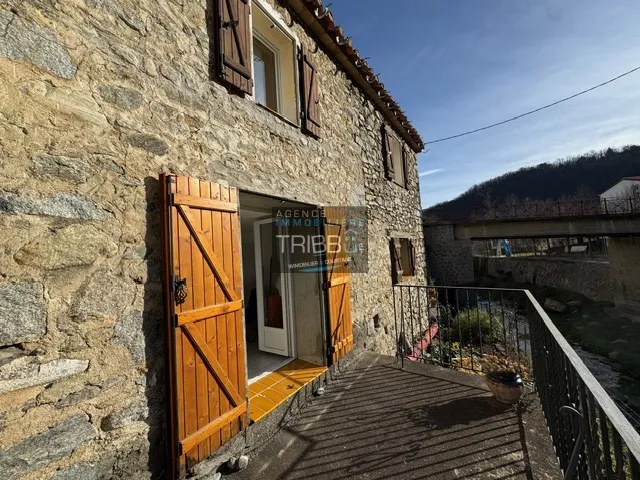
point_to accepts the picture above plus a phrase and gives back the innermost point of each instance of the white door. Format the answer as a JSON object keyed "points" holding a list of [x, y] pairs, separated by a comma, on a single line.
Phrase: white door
{"points": [[272, 290]]}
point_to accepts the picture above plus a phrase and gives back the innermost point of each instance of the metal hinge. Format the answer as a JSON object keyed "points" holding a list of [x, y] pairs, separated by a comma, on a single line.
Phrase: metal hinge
{"points": [[330, 351], [170, 181], [230, 23]]}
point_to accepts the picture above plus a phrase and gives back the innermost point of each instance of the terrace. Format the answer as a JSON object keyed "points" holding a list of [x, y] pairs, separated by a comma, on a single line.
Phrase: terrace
{"points": [[419, 415]]}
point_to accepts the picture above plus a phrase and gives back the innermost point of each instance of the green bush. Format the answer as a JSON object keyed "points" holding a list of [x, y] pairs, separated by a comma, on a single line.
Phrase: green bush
{"points": [[469, 327]]}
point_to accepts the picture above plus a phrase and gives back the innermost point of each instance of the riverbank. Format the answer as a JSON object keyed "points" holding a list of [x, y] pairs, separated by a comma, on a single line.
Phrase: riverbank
{"points": [[606, 340]]}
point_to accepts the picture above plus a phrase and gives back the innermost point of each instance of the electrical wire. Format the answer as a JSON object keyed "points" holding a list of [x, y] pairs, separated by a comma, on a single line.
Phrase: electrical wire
{"points": [[534, 111]]}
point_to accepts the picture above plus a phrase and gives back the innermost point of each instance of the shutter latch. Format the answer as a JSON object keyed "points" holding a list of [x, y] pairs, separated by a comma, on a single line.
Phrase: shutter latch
{"points": [[230, 23], [179, 285]]}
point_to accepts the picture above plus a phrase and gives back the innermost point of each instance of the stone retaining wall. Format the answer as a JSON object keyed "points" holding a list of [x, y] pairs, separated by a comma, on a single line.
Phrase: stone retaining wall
{"points": [[589, 279], [450, 261], [97, 97], [624, 255]]}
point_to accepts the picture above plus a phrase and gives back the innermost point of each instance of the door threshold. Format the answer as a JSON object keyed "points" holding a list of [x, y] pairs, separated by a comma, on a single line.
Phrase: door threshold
{"points": [[272, 390], [271, 369]]}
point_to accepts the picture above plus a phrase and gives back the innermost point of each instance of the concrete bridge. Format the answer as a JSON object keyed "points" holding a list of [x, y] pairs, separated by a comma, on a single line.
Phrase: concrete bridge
{"points": [[449, 235], [587, 226]]}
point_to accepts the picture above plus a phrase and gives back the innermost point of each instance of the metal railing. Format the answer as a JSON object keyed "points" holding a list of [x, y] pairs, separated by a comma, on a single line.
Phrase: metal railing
{"points": [[482, 329], [537, 210]]}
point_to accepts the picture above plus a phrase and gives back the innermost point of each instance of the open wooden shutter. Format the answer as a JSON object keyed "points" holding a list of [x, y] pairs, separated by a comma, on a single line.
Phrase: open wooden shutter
{"points": [[338, 288], [234, 43], [396, 260], [203, 304], [405, 166], [412, 258], [387, 154], [309, 93]]}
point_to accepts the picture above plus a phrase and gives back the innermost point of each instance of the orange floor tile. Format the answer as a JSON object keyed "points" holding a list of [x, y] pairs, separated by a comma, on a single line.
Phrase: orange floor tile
{"points": [[266, 393]]}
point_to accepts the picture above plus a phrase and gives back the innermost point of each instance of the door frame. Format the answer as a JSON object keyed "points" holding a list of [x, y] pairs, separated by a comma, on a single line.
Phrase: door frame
{"points": [[286, 294]]}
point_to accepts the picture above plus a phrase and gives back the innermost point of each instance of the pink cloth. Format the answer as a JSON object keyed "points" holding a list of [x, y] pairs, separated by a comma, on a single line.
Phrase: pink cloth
{"points": [[424, 342]]}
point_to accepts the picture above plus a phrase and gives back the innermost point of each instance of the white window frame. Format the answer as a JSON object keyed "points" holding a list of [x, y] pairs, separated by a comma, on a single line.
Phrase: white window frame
{"points": [[279, 22], [276, 55]]}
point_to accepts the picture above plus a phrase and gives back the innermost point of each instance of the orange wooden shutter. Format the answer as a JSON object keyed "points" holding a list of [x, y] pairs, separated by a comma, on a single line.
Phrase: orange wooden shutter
{"points": [[234, 44], [387, 153], [310, 95], [338, 288], [205, 336]]}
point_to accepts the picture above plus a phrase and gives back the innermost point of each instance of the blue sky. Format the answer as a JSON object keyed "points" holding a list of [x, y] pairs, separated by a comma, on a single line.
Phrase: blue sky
{"points": [[456, 65]]}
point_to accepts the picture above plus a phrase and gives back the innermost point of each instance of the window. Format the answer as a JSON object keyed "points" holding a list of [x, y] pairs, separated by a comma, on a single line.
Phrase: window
{"points": [[264, 74], [403, 262], [274, 66], [395, 157], [406, 252]]}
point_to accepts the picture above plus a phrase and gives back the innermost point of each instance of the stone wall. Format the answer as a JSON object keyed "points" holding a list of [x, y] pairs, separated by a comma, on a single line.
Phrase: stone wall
{"points": [[97, 97], [624, 255], [592, 280], [450, 261]]}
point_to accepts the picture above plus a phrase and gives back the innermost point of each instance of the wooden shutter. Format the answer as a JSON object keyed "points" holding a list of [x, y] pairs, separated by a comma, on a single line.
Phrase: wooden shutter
{"points": [[405, 166], [396, 260], [387, 153], [309, 94], [234, 44], [203, 304], [338, 289], [412, 258]]}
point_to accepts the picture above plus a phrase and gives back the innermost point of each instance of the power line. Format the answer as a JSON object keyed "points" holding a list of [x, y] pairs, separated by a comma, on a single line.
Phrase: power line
{"points": [[534, 111]]}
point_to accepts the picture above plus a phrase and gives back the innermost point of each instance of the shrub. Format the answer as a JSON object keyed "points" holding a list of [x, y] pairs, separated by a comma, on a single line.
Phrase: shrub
{"points": [[470, 327]]}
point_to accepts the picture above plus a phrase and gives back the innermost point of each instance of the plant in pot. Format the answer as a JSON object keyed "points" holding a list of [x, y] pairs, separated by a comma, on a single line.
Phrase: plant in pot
{"points": [[504, 378]]}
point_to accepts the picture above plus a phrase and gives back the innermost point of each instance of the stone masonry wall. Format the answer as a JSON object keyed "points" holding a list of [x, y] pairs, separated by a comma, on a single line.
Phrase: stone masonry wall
{"points": [[450, 261], [593, 280], [97, 97], [624, 256]]}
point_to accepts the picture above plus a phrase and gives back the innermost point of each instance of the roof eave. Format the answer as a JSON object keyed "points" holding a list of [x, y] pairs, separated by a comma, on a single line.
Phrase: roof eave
{"points": [[320, 21]]}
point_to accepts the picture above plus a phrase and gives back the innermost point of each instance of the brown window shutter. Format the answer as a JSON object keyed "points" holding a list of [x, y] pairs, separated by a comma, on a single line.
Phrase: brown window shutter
{"points": [[387, 154], [309, 94], [412, 258], [405, 166], [234, 44], [396, 260]]}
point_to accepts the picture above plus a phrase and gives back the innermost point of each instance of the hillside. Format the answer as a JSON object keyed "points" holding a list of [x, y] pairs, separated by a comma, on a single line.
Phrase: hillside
{"points": [[575, 177]]}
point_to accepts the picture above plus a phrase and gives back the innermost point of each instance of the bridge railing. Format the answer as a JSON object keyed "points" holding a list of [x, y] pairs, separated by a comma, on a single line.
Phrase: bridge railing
{"points": [[537, 210]]}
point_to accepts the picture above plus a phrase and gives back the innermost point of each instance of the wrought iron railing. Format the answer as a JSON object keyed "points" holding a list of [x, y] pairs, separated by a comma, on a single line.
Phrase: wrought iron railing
{"points": [[536, 210], [480, 329]]}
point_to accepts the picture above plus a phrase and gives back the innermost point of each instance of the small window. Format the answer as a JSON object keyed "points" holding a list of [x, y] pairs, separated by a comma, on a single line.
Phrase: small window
{"points": [[274, 66], [402, 259], [407, 257]]}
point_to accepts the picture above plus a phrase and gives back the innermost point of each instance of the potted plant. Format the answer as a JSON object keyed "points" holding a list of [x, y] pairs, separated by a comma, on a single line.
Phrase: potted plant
{"points": [[504, 378]]}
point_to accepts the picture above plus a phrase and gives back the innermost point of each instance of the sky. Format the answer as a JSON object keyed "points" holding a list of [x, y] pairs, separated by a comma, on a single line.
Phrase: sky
{"points": [[457, 65]]}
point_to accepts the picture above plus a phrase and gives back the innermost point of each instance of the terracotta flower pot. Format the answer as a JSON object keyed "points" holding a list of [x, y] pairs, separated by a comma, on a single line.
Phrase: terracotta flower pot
{"points": [[507, 387]]}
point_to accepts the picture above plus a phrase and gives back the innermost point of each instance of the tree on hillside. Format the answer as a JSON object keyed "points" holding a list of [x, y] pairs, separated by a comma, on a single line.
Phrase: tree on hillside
{"points": [[580, 177]]}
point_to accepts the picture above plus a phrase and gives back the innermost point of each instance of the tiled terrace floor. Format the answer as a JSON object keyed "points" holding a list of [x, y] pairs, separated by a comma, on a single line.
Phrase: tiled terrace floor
{"points": [[379, 422], [271, 390]]}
